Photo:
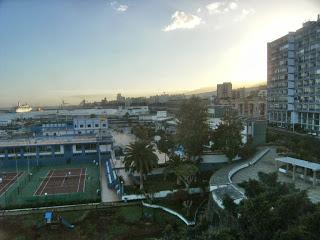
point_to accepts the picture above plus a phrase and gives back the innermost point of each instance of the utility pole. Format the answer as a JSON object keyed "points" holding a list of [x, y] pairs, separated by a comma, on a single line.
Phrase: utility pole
{"points": [[15, 157], [28, 157]]}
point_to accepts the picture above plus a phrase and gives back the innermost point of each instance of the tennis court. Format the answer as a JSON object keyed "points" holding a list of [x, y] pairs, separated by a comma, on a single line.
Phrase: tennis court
{"points": [[7, 180], [62, 181]]}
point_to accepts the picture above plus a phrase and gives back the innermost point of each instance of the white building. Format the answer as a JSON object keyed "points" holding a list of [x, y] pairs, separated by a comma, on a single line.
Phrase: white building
{"points": [[90, 125], [137, 110], [56, 129], [81, 125]]}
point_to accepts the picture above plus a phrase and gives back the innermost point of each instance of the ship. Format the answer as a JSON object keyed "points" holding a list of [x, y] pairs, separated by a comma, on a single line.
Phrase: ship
{"points": [[23, 108]]}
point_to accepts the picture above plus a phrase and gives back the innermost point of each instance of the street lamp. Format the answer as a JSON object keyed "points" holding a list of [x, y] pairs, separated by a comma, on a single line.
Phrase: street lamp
{"points": [[15, 157]]}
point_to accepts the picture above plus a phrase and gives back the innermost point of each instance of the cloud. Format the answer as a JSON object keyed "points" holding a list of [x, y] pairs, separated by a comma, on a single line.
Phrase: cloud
{"points": [[182, 20], [122, 8], [113, 3], [221, 7], [217, 27], [233, 5], [119, 7], [244, 13]]}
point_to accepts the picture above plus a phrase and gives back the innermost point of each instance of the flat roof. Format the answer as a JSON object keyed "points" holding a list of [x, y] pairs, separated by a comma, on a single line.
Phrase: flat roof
{"points": [[300, 163], [58, 140]]}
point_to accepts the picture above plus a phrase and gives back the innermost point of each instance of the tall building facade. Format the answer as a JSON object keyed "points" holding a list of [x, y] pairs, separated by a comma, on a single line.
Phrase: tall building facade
{"points": [[294, 78], [224, 90]]}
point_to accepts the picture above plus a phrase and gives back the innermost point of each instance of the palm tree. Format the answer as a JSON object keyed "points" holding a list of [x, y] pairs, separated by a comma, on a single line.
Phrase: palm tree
{"points": [[140, 157]]}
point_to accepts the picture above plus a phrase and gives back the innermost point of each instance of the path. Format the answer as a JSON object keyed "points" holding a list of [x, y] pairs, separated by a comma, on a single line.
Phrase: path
{"points": [[267, 165], [107, 195]]}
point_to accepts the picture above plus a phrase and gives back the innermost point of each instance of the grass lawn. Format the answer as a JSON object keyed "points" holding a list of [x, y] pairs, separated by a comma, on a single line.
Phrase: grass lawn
{"points": [[111, 224]]}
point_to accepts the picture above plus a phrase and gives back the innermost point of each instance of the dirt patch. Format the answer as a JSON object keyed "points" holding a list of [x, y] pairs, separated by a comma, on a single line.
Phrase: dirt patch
{"points": [[3, 235]]}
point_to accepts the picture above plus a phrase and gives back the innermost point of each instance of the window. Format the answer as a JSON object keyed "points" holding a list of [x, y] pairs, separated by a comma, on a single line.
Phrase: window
{"points": [[89, 125], [81, 125], [90, 146], [104, 125], [28, 149], [78, 147], [45, 149], [56, 148], [13, 150], [96, 125]]}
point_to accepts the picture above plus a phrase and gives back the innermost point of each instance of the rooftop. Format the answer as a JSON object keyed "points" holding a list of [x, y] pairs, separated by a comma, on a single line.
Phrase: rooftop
{"points": [[74, 139], [300, 163]]}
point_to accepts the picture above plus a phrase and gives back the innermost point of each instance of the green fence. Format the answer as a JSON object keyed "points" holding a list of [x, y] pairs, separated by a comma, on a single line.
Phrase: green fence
{"points": [[21, 193]]}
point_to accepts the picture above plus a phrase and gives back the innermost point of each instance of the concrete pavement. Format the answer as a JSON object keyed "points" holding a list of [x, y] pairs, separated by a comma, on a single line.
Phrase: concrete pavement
{"points": [[107, 194], [267, 165]]}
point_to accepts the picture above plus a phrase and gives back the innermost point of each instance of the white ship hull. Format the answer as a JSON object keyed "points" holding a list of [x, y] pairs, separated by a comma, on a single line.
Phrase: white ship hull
{"points": [[23, 110]]}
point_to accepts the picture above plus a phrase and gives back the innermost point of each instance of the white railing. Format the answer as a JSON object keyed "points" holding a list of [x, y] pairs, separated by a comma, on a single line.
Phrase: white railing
{"points": [[248, 164], [232, 172], [168, 210], [160, 194]]}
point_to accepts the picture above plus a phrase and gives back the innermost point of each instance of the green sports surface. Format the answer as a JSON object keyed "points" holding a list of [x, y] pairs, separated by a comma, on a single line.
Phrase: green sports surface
{"points": [[21, 194]]}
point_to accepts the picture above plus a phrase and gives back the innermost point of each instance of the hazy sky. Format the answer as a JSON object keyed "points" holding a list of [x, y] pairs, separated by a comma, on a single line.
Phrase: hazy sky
{"points": [[64, 49]]}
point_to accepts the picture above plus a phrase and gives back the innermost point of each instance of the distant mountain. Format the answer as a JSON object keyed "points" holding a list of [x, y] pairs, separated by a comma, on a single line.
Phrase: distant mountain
{"points": [[201, 91], [209, 91]]}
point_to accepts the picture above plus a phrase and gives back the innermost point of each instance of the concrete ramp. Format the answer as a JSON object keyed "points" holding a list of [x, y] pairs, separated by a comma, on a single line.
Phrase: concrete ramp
{"points": [[107, 195]]}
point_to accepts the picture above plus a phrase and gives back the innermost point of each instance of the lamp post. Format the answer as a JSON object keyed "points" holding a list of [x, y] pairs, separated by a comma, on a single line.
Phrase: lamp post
{"points": [[122, 188], [15, 157], [28, 157]]}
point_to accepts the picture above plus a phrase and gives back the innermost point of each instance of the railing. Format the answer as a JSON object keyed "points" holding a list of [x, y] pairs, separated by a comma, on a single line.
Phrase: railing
{"points": [[168, 210], [232, 172], [75, 207], [248, 164]]}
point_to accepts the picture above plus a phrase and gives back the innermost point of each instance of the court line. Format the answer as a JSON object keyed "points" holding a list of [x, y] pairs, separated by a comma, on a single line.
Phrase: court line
{"points": [[64, 179], [48, 180], [4, 186], [14, 178], [40, 185]]}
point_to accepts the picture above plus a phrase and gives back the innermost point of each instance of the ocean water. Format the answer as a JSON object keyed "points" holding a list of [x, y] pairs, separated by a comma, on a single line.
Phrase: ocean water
{"points": [[76, 112]]}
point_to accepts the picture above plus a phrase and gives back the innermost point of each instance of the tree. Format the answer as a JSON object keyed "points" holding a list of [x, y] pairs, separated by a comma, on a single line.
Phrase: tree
{"points": [[229, 205], [248, 150], [273, 211], [192, 129], [227, 137], [174, 161], [143, 133], [186, 172], [140, 157], [165, 144]]}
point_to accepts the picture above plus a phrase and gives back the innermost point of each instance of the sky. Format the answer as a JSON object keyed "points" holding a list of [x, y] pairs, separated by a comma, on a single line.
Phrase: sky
{"points": [[75, 49]]}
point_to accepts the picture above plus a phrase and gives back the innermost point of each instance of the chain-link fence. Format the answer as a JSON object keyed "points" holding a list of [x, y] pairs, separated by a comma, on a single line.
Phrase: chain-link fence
{"points": [[21, 194]]}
